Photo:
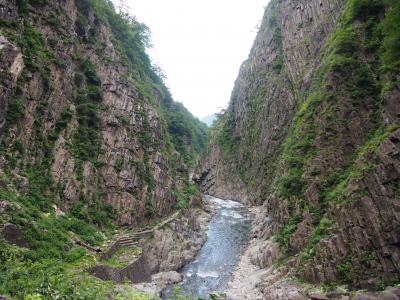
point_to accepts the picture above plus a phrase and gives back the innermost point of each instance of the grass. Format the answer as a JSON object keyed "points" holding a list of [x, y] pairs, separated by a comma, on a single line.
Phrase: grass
{"points": [[284, 234], [123, 257], [320, 231], [362, 164], [52, 266]]}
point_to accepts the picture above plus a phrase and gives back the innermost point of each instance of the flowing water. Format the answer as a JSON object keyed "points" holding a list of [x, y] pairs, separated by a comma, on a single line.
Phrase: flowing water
{"points": [[227, 234]]}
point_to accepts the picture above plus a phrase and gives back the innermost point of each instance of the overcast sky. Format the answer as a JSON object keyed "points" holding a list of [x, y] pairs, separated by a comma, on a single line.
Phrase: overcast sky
{"points": [[200, 45]]}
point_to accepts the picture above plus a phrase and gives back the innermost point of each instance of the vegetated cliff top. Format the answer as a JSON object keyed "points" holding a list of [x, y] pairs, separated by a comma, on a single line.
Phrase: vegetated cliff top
{"points": [[91, 141]]}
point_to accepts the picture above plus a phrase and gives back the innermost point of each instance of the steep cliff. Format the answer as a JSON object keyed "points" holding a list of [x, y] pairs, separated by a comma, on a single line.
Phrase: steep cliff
{"points": [[312, 133], [91, 140], [89, 113]]}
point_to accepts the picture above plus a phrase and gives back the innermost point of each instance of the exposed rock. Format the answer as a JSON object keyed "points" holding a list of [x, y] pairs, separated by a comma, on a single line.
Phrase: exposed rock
{"points": [[8, 10], [255, 276], [159, 282], [176, 244], [21, 182], [263, 102], [103, 272], [5, 206], [136, 272], [317, 297], [299, 238], [173, 243], [59, 212], [11, 65], [14, 235], [166, 278]]}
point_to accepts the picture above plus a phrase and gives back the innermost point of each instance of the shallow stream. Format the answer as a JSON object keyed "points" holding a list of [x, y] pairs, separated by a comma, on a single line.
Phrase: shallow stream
{"points": [[227, 235]]}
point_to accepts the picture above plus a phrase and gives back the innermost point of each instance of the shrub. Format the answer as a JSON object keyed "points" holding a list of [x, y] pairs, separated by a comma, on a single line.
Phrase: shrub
{"points": [[319, 232], [119, 164], [89, 70], [15, 111], [74, 254], [286, 232], [182, 201], [363, 9], [390, 48]]}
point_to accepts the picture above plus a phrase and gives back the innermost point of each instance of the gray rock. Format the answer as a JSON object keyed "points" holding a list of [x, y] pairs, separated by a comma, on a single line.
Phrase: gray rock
{"points": [[318, 297], [4, 206]]}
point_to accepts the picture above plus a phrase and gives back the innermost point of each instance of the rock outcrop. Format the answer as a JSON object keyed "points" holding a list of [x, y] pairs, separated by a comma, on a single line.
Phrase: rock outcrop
{"points": [[11, 65]]}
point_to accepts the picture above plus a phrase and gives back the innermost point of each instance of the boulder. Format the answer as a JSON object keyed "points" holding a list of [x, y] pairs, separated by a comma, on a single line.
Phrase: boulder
{"points": [[14, 235]]}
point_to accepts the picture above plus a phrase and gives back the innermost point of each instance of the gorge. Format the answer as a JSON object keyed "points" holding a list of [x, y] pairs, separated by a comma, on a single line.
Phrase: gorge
{"points": [[104, 177]]}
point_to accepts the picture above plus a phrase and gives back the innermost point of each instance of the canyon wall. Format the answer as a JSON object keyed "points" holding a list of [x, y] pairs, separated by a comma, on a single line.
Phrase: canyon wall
{"points": [[312, 133], [85, 118]]}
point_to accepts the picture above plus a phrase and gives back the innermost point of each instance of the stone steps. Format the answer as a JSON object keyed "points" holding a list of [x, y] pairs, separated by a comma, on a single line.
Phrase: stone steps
{"points": [[126, 241]]}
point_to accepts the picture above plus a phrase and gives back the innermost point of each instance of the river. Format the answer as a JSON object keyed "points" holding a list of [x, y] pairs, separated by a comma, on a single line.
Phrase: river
{"points": [[211, 270]]}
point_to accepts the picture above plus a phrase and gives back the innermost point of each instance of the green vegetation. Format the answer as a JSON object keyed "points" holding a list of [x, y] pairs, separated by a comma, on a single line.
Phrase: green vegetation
{"points": [[353, 270], [29, 271], [285, 233], [390, 49], [93, 211], [86, 142], [119, 164], [123, 257], [362, 164], [188, 134], [37, 56], [224, 131], [51, 268], [15, 111], [341, 60], [319, 232]]}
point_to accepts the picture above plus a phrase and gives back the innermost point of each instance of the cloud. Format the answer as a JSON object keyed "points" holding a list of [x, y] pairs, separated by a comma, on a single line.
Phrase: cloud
{"points": [[200, 45]]}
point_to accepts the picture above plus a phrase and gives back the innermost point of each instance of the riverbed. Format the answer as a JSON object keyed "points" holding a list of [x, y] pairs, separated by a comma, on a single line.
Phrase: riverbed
{"points": [[227, 235]]}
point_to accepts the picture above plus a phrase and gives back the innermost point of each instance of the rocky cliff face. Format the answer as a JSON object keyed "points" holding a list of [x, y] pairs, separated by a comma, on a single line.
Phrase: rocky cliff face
{"points": [[12, 64], [88, 120], [266, 93], [311, 132]]}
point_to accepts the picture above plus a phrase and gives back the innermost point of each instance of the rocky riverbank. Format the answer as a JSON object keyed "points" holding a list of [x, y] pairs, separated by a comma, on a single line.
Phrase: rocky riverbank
{"points": [[256, 275], [259, 275], [174, 246]]}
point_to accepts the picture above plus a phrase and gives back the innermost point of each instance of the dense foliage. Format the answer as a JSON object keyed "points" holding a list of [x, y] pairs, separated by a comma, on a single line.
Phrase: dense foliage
{"points": [[188, 134]]}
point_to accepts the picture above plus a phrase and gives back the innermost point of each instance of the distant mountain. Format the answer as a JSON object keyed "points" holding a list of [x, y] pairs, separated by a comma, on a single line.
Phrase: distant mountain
{"points": [[209, 120]]}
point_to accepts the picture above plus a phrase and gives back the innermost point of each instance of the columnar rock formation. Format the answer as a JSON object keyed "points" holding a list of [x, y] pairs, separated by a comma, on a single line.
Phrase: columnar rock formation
{"points": [[89, 114], [312, 133]]}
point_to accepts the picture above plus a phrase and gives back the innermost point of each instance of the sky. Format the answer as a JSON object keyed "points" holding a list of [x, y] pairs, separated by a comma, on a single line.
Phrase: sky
{"points": [[200, 46]]}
